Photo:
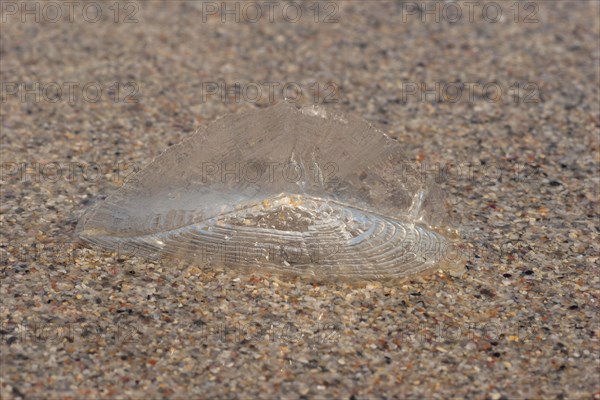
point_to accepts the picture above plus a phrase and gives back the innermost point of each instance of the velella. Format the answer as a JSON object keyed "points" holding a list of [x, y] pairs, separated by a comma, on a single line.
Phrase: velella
{"points": [[304, 191]]}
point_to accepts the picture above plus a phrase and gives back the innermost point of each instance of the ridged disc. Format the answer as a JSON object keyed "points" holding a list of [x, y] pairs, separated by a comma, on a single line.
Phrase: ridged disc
{"points": [[283, 190]]}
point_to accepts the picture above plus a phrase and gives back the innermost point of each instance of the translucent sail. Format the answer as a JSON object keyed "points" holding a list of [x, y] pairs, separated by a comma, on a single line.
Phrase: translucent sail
{"points": [[281, 189]]}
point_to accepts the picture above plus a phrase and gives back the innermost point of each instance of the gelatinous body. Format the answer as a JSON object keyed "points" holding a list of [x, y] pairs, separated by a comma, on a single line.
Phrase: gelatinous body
{"points": [[285, 190]]}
